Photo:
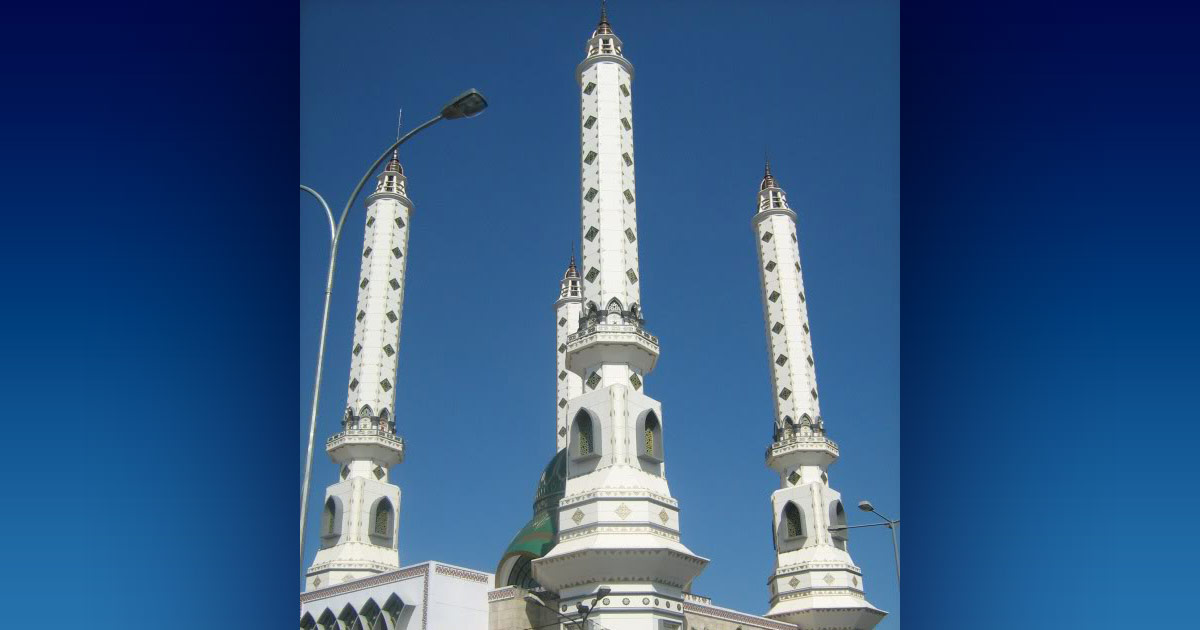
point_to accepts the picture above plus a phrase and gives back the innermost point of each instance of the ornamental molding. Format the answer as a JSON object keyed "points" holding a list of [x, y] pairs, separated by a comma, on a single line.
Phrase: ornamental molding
{"points": [[500, 594], [819, 592], [615, 528], [620, 492], [364, 583], [463, 574], [736, 617], [817, 566]]}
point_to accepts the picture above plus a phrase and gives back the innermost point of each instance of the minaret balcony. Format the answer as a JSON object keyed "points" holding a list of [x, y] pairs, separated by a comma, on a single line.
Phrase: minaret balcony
{"points": [[802, 450], [598, 343], [378, 445]]}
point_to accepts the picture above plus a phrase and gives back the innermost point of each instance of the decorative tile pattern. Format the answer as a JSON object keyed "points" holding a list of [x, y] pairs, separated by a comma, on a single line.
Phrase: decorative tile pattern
{"points": [[623, 511], [785, 393], [591, 233], [828, 579], [793, 582], [577, 516], [636, 380], [593, 380], [664, 517]]}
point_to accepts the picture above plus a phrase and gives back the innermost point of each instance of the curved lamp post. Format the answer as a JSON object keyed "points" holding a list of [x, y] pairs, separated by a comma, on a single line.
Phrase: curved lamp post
{"points": [[465, 105], [584, 609]]}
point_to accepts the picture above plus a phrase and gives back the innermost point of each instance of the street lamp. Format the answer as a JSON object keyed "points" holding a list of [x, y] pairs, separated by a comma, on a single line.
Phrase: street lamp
{"points": [[584, 610], [890, 524], [465, 105]]}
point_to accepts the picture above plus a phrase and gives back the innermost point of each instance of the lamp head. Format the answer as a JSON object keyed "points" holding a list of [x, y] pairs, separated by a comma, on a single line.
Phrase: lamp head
{"points": [[602, 592], [465, 105], [866, 506]]}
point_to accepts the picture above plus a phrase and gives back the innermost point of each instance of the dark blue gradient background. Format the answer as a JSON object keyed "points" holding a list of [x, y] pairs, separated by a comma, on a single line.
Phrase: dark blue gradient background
{"points": [[149, 244], [1050, 202], [1050, 174]]}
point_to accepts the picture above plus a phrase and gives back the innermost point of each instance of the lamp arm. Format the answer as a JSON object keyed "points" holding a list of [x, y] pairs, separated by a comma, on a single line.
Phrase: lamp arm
{"points": [[362, 182]]}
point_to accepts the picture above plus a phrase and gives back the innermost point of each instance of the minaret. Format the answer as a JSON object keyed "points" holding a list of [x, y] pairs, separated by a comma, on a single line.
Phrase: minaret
{"points": [[358, 524], [618, 524], [566, 313], [815, 585]]}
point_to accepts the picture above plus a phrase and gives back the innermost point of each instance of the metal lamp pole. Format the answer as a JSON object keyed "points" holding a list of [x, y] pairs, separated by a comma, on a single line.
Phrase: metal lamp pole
{"points": [[466, 105], [890, 524]]}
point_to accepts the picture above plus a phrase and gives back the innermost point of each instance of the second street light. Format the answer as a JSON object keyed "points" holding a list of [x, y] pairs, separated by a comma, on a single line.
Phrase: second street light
{"points": [[465, 105], [888, 523]]}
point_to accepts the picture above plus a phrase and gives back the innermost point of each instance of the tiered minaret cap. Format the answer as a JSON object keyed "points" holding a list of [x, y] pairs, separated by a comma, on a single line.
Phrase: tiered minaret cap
{"points": [[815, 583], [361, 511], [568, 384], [618, 524]]}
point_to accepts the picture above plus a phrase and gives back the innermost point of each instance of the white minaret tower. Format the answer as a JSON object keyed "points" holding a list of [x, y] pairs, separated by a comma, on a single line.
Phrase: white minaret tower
{"points": [[618, 524], [566, 313], [815, 585], [358, 524]]}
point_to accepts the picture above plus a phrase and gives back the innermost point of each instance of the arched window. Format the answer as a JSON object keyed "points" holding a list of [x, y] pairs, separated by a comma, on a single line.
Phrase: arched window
{"points": [[327, 621], [331, 522], [837, 518], [330, 516], [587, 444], [649, 440], [383, 518], [793, 520]]}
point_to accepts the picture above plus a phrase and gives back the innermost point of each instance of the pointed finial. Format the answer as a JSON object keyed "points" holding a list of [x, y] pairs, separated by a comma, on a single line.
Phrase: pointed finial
{"points": [[604, 28], [768, 180]]}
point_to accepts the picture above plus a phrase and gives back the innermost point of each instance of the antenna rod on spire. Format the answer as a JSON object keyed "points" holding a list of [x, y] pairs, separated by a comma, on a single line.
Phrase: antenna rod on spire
{"points": [[399, 117]]}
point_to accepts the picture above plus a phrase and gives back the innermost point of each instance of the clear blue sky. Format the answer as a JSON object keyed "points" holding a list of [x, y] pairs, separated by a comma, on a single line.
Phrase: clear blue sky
{"points": [[497, 207]]}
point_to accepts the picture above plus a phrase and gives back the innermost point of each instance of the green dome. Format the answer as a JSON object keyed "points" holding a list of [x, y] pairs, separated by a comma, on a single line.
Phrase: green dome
{"points": [[538, 536]]}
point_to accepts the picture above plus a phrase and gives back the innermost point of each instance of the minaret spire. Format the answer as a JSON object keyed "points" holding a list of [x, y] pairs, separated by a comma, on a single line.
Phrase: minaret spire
{"points": [[617, 518], [815, 583], [358, 524], [567, 309]]}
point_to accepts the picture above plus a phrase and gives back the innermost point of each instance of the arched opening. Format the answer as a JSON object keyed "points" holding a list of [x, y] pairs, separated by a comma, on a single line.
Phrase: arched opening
{"points": [[370, 615], [331, 522], [585, 436], [793, 521], [307, 622], [348, 617], [649, 436], [327, 621], [391, 611], [837, 519], [383, 518]]}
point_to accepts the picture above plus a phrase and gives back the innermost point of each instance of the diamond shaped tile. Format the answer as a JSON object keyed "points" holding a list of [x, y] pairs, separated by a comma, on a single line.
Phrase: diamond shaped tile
{"points": [[664, 517], [636, 380], [623, 511], [591, 234], [793, 582], [577, 516], [785, 393], [828, 579], [593, 380], [562, 432], [794, 477]]}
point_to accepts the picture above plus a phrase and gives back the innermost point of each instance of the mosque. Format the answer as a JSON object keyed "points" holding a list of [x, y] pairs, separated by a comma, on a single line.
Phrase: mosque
{"points": [[602, 549]]}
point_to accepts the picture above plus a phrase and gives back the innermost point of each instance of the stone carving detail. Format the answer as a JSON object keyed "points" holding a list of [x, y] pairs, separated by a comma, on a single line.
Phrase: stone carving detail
{"points": [[623, 511], [577, 516], [663, 516]]}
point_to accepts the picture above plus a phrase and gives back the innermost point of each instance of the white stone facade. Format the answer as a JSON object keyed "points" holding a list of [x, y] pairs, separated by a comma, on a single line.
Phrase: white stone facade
{"points": [[428, 596], [815, 584], [360, 514], [618, 524]]}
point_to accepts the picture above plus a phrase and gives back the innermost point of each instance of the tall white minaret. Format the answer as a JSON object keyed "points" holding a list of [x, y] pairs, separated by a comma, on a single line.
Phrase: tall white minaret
{"points": [[358, 524], [566, 313], [815, 585], [618, 526]]}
